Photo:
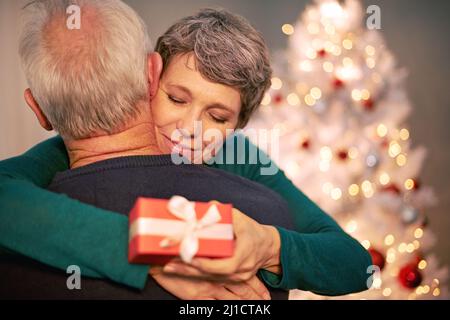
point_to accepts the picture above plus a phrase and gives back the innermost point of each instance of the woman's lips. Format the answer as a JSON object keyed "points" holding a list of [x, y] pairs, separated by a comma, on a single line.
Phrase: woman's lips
{"points": [[177, 146]]}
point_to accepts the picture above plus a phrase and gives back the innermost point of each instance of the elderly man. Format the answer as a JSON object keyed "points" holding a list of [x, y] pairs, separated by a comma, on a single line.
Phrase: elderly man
{"points": [[92, 85]]}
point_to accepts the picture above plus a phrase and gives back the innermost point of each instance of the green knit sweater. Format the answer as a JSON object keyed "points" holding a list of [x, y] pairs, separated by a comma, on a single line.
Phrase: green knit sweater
{"points": [[56, 230]]}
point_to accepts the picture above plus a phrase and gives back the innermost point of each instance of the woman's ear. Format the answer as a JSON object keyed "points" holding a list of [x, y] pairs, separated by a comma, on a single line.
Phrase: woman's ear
{"points": [[34, 106], [155, 66]]}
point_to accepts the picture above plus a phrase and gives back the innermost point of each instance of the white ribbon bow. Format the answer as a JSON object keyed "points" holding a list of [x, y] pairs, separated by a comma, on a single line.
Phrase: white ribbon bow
{"points": [[185, 210]]}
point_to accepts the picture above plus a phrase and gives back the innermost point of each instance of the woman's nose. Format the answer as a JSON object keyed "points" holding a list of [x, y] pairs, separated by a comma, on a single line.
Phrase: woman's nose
{"points": [[190, 126]]}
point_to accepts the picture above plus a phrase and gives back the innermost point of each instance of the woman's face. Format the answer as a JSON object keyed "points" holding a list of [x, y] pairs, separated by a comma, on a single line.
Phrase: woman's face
{"points": [[185, 97]]}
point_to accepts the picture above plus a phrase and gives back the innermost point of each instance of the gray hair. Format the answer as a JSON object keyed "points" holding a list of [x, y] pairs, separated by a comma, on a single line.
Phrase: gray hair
{"points": [[85, 80], [228, 50]]}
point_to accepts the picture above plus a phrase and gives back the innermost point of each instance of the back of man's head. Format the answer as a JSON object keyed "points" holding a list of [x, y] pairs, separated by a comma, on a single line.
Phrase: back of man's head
{"points": [[87, 79]]}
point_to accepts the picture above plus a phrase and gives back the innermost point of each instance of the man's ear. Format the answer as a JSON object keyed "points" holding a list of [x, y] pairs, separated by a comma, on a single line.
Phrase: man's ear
{"points": [[155, 66], [37, 110]]}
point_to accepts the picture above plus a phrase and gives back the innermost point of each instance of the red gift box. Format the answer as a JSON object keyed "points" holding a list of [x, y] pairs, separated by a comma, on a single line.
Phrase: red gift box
{"points": [[154, 223]]}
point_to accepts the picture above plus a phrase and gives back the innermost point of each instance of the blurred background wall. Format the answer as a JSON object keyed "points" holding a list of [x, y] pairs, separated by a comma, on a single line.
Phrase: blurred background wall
{"points": [[416, 31]]}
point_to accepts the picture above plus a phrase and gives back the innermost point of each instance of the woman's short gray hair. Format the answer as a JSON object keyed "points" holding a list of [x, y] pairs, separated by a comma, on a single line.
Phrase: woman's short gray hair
{"points": [[85, 80], [228, 50]]}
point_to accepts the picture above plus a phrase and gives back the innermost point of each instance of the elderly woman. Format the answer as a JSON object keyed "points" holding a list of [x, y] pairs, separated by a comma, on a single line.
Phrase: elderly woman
{"points": [[215, 70]]}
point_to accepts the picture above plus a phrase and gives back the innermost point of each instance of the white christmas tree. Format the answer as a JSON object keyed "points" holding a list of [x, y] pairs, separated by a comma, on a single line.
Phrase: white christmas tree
{"points": [[339, 103]]}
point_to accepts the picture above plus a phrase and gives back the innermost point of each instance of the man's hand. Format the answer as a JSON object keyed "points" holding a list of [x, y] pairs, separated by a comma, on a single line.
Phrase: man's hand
{"points": [[200, 289], [257, 247]]}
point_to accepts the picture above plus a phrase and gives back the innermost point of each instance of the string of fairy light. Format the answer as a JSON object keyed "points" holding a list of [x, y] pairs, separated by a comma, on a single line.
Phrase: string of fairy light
{"points": [[393, 141]]}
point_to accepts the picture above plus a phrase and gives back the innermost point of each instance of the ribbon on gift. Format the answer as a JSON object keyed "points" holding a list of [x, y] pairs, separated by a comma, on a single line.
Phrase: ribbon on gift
{"points": [[188, 230]]}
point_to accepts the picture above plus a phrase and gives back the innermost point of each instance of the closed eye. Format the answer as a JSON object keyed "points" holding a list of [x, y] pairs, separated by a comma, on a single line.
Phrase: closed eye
{"points": [[217, 119], [175, 100]]}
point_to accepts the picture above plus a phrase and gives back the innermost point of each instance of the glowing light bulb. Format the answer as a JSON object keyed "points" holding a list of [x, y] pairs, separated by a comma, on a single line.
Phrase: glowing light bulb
{"points": [[328, 66], [370, 62], [387, 292], [353, 153], [336, 194], [436, 292], [418, 233], [409, 184], [402, 247], [331, 10], [384, 178], [353, 190], [365, 94], [366, 186], [306, 66], [404, 134], [382, 130], [293, 99], [394, 149], [313, 28], [367, 189], [287, 29], [336, 51], [348, 73], [390, 258], [276, 83], [347, 62], [370, 50], [347, 44], [356, 95], [389, 240], [316, 93], [309, 100], [426, 289], [401, 160], [422, 264], [325, 153]]}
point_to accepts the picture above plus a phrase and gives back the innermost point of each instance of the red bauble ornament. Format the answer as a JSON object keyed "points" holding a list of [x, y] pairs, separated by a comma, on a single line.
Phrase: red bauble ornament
{"points": [[392, 188], [410, 276], [305, 144], [321, 53], [377, 258], [368, 104], [342, 154], [278, 98], [338, 83], [416, 185]]}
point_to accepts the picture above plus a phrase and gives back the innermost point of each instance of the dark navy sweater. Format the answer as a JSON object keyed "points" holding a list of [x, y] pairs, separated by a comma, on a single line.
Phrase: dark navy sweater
{"points": [[116, 183]]}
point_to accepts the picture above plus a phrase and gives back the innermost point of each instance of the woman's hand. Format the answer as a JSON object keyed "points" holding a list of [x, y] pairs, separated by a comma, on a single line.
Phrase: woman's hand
{"points": [[199, 289], [257, 247]]}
